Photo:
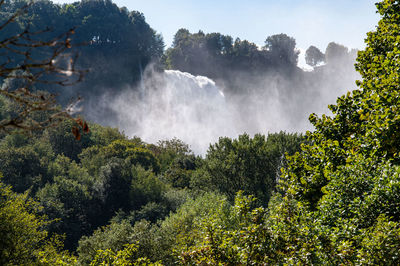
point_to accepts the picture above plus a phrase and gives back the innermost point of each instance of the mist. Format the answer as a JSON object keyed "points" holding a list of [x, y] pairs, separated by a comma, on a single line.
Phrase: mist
{"points": [[174, 104], [197, 110]]}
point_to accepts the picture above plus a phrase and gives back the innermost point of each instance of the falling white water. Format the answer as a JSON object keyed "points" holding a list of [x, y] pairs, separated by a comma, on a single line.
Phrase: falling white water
{"points": [[175, 104]]}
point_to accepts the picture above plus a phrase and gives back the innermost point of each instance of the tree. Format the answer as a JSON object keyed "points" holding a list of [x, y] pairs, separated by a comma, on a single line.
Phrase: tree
{"points": [[132, 152], [113, 236], [30, 58], [282, 49], [63, 142], [69, 199], [231, 235], [168, 150], [346, 179], [180, 230], [125, 256], [248, 164], [339, 196], [336, 53], [120, 44], [23, 240], [219, 44], [314, 56], [21, 167]]}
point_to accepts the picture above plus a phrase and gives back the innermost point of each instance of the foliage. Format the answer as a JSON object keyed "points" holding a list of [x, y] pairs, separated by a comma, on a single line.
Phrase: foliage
{"points": [[128, 202], [168, 150], [231, 235], [346, 178], [23, 240], [208, 54], [283, 49], [145, 187], [133, 153], [248, 164], [113, 236], [338, 200], [122, 257], [22, 167], [335, 53], [41, 43], [221, 58], [30, 58], [102, 136], [65, 143], [116, 57], [314, 56], [364, 122], [69, 198]]}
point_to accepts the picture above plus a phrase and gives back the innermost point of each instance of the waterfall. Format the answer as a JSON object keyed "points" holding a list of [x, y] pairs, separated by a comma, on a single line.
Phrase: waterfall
{"points": [[175, 104]]}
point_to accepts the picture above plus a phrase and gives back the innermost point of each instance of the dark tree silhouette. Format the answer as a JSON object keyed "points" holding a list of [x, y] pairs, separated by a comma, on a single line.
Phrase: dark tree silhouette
{"points": [[314, 56], [29, 58]]}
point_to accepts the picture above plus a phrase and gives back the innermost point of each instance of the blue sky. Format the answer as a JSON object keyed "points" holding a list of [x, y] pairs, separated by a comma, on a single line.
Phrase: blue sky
{"points": [[310, 22]]}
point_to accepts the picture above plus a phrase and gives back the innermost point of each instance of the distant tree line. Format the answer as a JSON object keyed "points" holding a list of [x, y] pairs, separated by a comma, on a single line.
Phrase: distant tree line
{"points": [[213, 54], [114, 44]]}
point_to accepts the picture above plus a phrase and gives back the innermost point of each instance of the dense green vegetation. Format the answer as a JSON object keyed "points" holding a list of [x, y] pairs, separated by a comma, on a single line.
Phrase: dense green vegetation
{"points": [[339, 197], [126, 191], [330, 197]]}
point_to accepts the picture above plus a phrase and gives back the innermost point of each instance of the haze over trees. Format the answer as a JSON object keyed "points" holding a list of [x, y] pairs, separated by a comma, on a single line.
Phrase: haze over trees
{"points": [[330, 196], [314, 56], [113, 43], [117, 47], [260, 80]]}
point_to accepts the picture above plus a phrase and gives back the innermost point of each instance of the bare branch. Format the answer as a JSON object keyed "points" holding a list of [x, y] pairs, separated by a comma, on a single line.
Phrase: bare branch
{"points": [[30, 59]]}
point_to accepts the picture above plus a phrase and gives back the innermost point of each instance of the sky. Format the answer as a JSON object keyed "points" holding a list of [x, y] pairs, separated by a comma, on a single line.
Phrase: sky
{"points": [[310, 22]]}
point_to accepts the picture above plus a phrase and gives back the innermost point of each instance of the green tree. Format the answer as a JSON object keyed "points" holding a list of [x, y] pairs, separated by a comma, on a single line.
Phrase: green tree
{"points": [[346, 178], [122, 257], [177, 161], [33, 59], [113, 236], [103, 136], [282, 49], [167, 151], [23, 240], [234, 235], [22, 167], [336, 53], [145, 187], [248, 164], [314, 56], [338, 200], [133, 152], [65, 143], [180, 230], [69, 199], [120, 44]]}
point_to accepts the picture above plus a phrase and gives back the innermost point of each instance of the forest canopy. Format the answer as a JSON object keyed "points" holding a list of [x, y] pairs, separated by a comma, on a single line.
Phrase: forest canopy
{"points": [[328, 197]]}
